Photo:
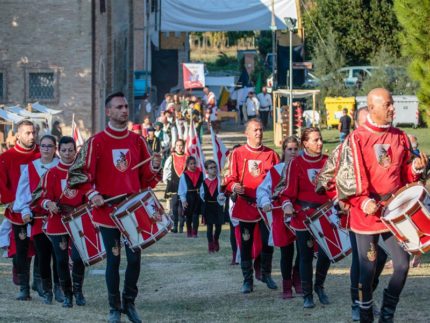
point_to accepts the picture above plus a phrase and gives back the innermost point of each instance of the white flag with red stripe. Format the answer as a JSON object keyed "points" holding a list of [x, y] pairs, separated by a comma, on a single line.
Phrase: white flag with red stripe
{"points": [[76, 134], [194, 148], [220, 151]]}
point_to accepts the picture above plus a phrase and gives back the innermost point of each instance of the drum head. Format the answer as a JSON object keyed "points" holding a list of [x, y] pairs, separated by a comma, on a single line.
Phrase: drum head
{"points": [[403, 201], [127, 204]]}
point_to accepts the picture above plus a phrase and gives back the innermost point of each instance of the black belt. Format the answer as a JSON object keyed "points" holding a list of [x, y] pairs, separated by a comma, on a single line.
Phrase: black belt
{"points": [[250, 200], [311, 205]]}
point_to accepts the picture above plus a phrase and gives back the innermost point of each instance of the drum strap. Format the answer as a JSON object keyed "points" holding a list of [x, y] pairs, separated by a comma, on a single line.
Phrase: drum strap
{"points": [[307, 204]]}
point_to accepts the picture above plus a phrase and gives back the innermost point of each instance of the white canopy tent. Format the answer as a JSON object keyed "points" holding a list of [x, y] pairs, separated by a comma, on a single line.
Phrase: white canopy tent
{"points": [[10, 117], [41, 108], [224, 15]]}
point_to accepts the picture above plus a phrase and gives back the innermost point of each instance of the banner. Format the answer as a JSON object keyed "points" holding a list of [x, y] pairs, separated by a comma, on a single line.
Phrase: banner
{"points": [[76, 134], [220, 151], [193, 147], [194, 75]]}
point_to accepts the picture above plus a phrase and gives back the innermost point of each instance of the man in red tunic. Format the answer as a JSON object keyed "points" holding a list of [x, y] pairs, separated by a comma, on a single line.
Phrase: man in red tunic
{"points": [[11, 164], [104, 169], [382, 164], [249, 164]]}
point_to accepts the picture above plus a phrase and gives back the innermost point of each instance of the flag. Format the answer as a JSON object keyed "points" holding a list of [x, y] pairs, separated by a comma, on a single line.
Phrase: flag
{"points": [[193, 147], [194, 75], [76, 134], [220, 151]]}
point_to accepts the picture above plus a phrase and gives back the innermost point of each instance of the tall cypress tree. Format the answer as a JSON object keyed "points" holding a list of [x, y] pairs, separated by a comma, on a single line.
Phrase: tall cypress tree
{"points": [[414, 16]]}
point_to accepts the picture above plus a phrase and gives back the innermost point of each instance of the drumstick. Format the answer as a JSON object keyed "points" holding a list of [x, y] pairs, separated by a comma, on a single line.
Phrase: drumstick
{"points": [[142, 163], [109, 199]]}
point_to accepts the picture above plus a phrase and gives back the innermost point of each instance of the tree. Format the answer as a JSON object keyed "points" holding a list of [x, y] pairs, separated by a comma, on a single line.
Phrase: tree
{"points": [[415, 39], [360, 27]]}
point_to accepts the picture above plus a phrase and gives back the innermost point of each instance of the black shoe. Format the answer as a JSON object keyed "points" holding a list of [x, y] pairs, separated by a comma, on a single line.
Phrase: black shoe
{"points": [[174, 230], [389, 304], [80, 299], [308, 301], [47, 297], [24, 288], [322, 295], [355, 312], [114, 316], [269, 282], [247, 287], [68, 301], [130, 311], [58, 294]]}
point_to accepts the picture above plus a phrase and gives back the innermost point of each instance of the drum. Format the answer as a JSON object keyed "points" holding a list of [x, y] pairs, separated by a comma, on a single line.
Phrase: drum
{"points": [[141, 220], [407, 215], [85, 235], [324, 225]]}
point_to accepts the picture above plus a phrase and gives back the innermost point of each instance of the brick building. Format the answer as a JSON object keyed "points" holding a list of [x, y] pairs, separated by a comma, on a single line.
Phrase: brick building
{"points": [[66, 54]]}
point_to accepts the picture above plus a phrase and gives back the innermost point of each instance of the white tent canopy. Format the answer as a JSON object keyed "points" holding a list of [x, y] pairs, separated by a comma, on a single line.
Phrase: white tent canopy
{"points": [[224, 15], [10, 117], [41, 108]]}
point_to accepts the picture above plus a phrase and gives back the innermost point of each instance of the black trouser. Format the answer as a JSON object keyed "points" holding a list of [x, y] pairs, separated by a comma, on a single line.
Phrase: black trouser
{"points": [[22, 243], [192, 211], [210, 232], [368, 254], [178, 215], [233, 243], [60, 245], [355, 267], [306, 249], [287, 255], [112, 243], [264, 115], [247, 238], [44, 253]]}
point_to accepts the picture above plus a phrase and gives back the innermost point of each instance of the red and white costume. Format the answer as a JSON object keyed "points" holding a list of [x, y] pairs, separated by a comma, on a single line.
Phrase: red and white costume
{"points": [[381, 160], [248, 167], [301, 176], [54, 189], [104, 166], [281, 235], [12, 162], [28, 182]]}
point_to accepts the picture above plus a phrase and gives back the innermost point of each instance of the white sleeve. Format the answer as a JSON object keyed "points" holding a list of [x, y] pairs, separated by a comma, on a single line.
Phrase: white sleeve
{"points": [[182, 189], [167, 170], [202, 192], [5, 228], [174, 137], [23, 194], [264, 191], [257, 104]]}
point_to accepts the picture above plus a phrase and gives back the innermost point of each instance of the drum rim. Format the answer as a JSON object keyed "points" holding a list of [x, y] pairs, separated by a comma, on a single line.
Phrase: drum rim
{"points": [[118, 214], [412, 210], [317, 211]]}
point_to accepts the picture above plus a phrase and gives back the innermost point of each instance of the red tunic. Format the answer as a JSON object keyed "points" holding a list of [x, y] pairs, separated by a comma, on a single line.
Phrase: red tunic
{"points": [[382, 165], [248, 167], [104, 165], [301, 176], [11, 164], [54, 188]]}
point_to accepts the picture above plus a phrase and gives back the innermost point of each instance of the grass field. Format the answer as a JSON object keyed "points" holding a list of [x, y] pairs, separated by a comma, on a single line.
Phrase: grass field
{"points": [[181, 282]]}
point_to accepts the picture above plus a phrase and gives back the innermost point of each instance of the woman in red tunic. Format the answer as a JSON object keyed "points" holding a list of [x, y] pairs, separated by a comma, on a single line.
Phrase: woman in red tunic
{"points": [[283, 237], [59, 200], [300, 201]]}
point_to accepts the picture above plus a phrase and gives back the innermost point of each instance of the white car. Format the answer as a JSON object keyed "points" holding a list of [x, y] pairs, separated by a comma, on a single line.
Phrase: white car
{"points": [[354, 76]]}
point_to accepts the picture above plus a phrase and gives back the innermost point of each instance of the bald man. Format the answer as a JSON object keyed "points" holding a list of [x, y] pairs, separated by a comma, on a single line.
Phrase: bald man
{"points": [[382, 164], [249, 164]]}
